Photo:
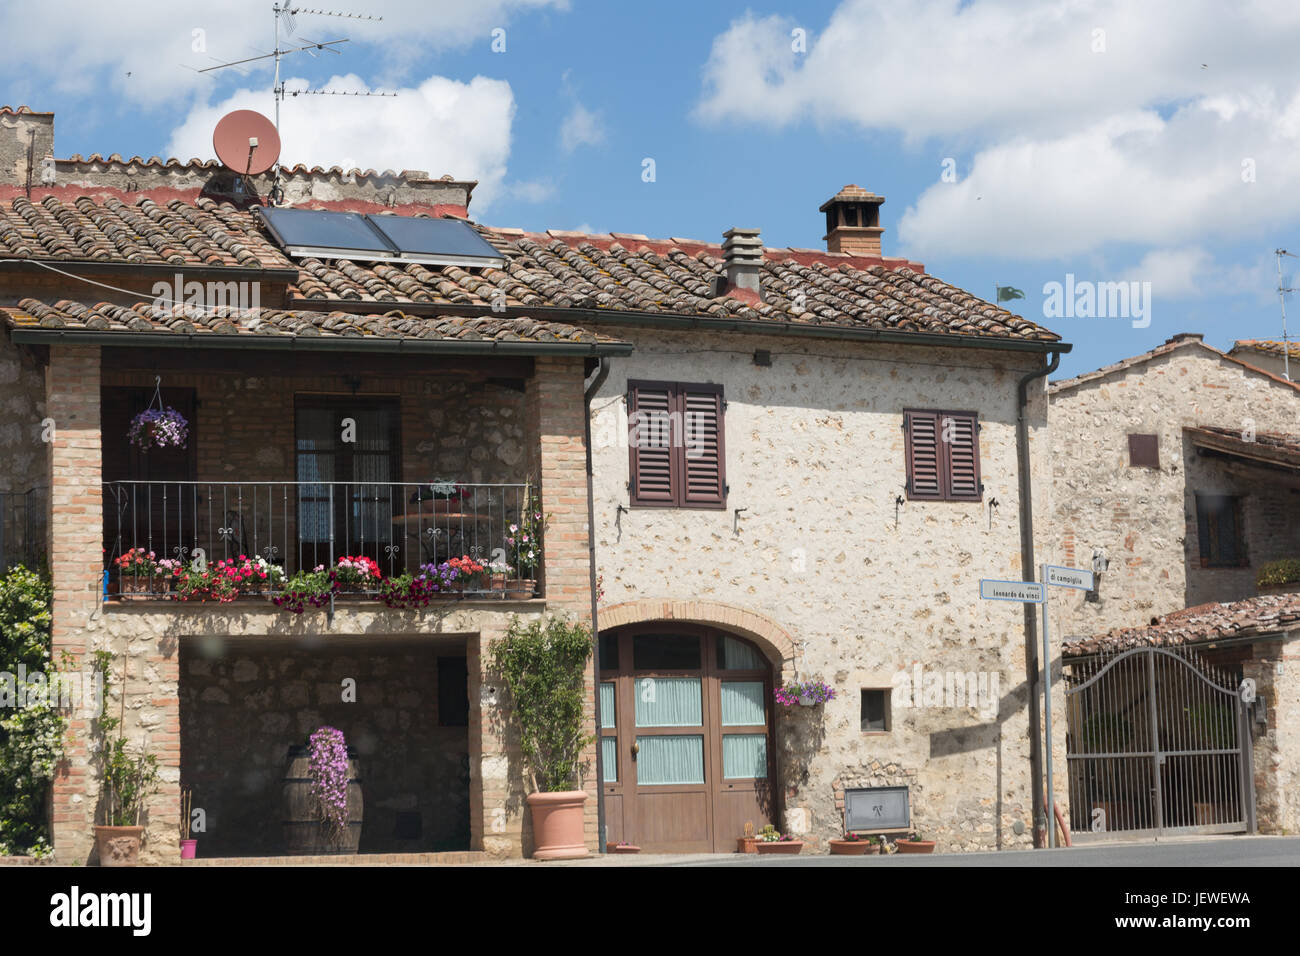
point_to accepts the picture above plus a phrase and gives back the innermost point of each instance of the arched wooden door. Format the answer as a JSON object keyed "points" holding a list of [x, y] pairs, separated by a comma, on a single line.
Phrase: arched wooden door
{"points": [[686, 737]]}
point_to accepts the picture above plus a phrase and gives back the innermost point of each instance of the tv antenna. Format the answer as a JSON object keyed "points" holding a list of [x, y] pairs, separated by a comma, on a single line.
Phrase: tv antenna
{"points": [[1282, 290], [287, 14]]}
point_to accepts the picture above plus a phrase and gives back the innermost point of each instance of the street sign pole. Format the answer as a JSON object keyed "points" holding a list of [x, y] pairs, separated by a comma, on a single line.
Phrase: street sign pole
{"points": [[1047, 711]]}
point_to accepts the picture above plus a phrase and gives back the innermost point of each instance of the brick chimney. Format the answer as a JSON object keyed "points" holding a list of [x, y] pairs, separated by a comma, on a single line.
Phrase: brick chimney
{"points": [[853, 222], [742, 261]]}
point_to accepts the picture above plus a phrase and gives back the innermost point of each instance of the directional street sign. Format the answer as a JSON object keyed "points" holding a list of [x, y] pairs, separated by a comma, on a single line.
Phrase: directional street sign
{"points": [[1069, 578], [1024, 592]]}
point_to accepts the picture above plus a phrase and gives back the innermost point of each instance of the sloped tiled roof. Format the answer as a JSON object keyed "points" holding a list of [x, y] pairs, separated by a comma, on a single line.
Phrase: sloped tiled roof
{"points": [[615, 272], [142, 317], [1269, 346], [1271, 447], [1169, 346], [1266, 614]]}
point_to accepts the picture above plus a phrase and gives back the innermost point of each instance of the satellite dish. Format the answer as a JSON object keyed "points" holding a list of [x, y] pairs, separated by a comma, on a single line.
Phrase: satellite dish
{"points": [[247, 142]]}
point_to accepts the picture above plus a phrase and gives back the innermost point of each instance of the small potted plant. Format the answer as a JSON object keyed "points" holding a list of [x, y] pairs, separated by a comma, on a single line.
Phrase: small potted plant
{"points": [[914, 844], [1279, 577], [855, 844], [772, 841], [305, 589], [748, 842], [623, 847], [169, 572], [807, 693], [524, 548], [469, 574], [405, 591], [129, 779], [136, 570], [497, 573], [543, 665], [189, 846], [357, 573]]}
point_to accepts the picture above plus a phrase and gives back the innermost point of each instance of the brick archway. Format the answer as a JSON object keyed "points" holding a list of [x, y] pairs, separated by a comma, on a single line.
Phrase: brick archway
{"points": [[769, 636]]}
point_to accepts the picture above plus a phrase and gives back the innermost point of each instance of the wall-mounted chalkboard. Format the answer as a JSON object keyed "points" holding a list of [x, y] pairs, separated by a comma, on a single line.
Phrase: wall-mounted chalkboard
{"points": [[877, 808]]}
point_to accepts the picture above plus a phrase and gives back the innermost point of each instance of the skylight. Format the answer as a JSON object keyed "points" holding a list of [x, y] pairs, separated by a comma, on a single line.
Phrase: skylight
{"points": [[365, 238]]}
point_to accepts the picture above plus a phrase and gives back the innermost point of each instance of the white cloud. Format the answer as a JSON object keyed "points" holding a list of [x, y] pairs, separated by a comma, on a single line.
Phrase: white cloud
{"points": [[94, 44], [530, 190], [1174, 273], [581, 127], [1060, 149], [441, 126]]}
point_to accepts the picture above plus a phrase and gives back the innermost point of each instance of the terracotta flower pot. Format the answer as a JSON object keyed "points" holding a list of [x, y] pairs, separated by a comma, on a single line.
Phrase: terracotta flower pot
{"points": [[135, 587], [520, 589], [914, 846], [787, 847], [118, 846], [746, 844], [621, 848], [852, 847], [558, 824]]}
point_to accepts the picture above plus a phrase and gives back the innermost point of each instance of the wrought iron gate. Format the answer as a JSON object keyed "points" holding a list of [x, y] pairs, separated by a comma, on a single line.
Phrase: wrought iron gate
{"points": [[1158, 742]]}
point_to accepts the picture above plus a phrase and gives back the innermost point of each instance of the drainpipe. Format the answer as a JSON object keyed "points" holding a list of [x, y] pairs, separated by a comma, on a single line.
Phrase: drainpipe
{"points": [[602, 373], [1032, 676]]}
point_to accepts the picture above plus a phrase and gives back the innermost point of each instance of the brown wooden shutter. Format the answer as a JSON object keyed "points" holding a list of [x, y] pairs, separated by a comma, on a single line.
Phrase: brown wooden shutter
{"points": [[962, 453], [701, 446], [652, 472], [1144, 451], [921, 438]]}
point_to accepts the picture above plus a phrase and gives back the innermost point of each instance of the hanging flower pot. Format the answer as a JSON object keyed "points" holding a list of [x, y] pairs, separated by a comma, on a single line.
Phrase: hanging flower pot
{"points": [[807, 693], [159, 428]]}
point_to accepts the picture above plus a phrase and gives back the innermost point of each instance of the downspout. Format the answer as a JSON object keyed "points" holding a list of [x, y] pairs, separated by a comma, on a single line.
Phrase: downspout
{"points": [[602, 373], [1032, 676]]}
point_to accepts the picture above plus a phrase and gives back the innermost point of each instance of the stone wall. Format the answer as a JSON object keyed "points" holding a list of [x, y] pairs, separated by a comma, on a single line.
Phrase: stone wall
{"points": [[244, 702], [1145, 518], [813, 539]]}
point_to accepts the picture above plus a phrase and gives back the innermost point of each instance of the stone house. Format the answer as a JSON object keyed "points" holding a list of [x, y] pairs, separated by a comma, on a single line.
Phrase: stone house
{"points": [[1174, 475], [1272, 355], [802, 462]]}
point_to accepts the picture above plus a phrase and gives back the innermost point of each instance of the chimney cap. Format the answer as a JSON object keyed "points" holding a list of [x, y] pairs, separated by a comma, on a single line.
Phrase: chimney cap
{"points": [[1185, 337], [852, 194]]}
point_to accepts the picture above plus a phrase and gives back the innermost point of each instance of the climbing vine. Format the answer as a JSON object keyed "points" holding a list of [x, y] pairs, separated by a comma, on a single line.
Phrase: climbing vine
{"points": [[31, 725]]}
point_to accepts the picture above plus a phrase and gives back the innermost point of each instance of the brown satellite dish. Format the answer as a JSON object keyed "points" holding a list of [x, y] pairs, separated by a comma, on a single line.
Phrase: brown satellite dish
{"points": [[247, 142]]}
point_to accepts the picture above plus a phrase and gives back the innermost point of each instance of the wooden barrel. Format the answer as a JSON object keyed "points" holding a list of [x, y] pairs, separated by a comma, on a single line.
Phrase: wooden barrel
{"points": [[304, 834]]}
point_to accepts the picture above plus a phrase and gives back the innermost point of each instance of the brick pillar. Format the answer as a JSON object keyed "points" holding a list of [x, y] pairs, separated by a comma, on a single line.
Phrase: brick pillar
{"points": [[555, 430], [75, 545]]}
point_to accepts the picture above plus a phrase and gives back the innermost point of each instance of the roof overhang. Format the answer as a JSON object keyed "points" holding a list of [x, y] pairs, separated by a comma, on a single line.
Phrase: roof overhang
{"points": [[1251, 452], [313, 343]]}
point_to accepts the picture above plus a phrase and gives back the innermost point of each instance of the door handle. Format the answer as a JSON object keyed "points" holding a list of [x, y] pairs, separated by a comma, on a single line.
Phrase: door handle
{"points": [[636, 749]]}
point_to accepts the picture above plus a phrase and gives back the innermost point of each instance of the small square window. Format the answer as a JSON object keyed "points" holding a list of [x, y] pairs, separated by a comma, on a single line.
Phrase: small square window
{"points": [[875, 710], [1144, 451]]}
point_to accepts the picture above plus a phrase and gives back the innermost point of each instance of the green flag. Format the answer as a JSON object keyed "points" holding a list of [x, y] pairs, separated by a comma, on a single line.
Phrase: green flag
{"points": [[1006, 293]]}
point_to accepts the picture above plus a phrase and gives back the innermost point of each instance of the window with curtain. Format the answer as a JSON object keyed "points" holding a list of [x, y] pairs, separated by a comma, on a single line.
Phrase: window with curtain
{"points": [[351, 441], [670, 760], [669, 702]]}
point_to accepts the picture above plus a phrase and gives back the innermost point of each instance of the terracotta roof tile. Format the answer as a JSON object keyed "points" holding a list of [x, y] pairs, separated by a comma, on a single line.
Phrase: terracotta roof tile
{"points": [[624, 273], [1165, 348], [142, 317], [1254, 616], [1268, 346]]}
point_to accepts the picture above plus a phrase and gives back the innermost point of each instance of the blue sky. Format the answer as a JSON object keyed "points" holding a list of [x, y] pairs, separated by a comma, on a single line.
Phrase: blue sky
{"points": [[1110, 141]]}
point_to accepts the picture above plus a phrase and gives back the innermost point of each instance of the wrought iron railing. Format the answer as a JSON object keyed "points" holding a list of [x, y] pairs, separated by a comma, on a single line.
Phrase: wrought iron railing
{"points": [[182, 528], [24, 518]]}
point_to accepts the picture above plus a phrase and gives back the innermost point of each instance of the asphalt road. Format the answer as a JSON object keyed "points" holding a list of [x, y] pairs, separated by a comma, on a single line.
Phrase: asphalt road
{"points": [[1216, 852]]}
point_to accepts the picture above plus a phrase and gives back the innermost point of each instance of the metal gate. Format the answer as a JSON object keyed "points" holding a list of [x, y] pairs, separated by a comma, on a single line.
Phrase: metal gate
{"points": [[1157, 742]]}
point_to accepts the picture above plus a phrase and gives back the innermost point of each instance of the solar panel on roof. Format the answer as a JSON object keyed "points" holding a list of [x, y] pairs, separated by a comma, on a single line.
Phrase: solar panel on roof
{"points": [[319, 229], [419, 236], [327, 234]]}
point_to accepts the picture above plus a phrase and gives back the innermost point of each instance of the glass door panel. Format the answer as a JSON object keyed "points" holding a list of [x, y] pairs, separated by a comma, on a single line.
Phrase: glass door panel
{"points": [[669, 759], [669, 702]]}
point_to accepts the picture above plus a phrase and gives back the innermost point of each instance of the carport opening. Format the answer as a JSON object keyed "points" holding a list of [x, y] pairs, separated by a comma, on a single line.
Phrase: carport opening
{"points": [[402, 705]]}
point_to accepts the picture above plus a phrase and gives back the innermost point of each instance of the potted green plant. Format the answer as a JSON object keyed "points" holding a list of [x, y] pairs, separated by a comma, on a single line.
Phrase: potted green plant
{"points": [[543, 664], [305, 589], [128, 777], [524, 547], [855, 844], [1279, 577], [914, 844], [189, 846], [808, 693], [748, 842], [136, 569], [770, 840]]}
